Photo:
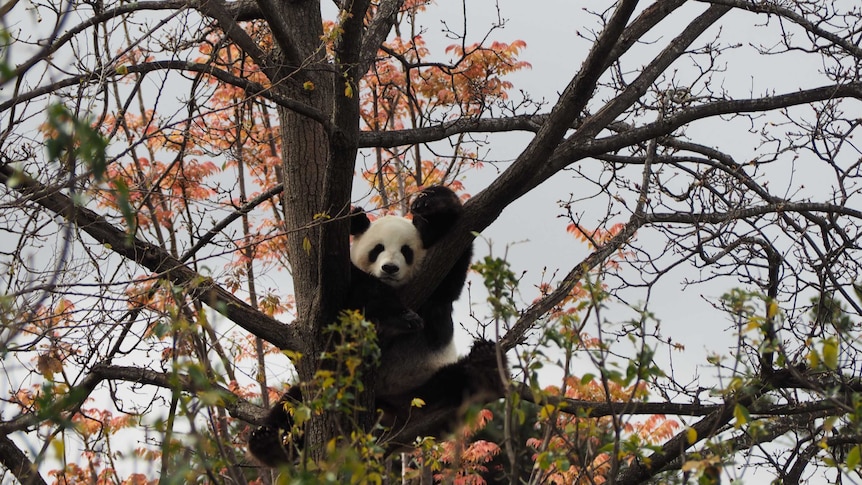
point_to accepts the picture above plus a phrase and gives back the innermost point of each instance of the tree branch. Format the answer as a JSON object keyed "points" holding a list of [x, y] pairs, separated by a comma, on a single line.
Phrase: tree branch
{"points": [[771, 8], [599, 409], [376, 33], [235, 405], [485, 207], [626, 135], [21, 467], [517, 333], [245, 209], [637, 88], [575, 150], [411, 136], [511, 184], [227, 22], [641, 470], [251, 88], [276, 15], [155, 259]]}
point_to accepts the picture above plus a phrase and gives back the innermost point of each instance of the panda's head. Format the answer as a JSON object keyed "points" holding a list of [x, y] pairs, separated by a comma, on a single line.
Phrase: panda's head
{"points": [[390, 248]]}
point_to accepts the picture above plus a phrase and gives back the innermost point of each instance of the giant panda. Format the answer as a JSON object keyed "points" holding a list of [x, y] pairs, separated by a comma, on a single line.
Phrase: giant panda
{"points": [[392, 249], [418, 355]]}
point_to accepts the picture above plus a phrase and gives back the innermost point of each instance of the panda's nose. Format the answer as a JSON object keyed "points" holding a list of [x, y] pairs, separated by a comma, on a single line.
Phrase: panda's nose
{"points": [[390, 268]]}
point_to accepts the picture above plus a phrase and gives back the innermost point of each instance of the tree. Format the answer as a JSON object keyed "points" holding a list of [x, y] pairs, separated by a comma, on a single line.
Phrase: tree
{"points": [[162, 160]]}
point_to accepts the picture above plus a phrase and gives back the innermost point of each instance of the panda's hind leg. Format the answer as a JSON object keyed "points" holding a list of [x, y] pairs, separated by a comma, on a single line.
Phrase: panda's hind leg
{"points": [[474, 379], [274, 444]]}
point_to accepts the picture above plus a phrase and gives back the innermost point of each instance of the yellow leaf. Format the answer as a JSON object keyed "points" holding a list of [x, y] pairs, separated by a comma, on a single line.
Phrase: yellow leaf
{"points": [[59, 447], [741, 415], [771, 309], [417, 403], [123, 69], [813, 360], [753, 324], [211, 398], [691, 435], [306, 245], [348, 89], [735, 384], [830, 353], [47, 365], [691, 466], [293, 355], [308, 86], [546, 411], [300, 414]]}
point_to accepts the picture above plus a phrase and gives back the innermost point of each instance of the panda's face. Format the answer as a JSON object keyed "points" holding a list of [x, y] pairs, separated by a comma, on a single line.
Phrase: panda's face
{"points": [[390, 250]]}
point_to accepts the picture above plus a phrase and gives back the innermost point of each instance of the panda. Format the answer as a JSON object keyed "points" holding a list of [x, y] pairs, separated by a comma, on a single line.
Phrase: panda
{"points": [[418, 355], [391, 249]]}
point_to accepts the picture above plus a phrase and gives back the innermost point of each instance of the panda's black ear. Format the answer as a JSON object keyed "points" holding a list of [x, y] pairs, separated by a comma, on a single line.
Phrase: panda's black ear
{"points": [[359, 222]]}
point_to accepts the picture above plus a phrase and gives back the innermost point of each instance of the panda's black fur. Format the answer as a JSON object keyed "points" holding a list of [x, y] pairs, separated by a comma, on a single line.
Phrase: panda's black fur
{"points": [[417, 352], [412, 358], [473, 379], [272, 444], [380, 304]]}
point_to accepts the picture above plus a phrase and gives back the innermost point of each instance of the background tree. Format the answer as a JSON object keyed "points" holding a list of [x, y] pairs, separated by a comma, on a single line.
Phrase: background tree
{"points": [[162, 160]]}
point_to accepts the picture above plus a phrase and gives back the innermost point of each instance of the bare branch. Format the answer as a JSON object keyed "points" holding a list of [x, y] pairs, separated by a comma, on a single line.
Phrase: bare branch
{"points": [[773, 8], [155, 259], [218, 10], [376, 32], [252, 88], [14, 460]]}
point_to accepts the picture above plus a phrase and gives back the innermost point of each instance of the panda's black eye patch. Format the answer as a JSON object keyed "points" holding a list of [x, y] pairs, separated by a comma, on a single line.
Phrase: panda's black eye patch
{"points": [[372, 255], [407, 251]]}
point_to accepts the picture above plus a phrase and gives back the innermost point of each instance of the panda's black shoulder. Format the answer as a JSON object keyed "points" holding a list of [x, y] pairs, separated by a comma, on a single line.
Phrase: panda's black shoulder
{"points": [[435, 210]]}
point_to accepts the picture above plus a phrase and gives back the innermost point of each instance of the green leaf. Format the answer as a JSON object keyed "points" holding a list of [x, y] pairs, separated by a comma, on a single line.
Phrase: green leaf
{"points": [[125, 206], [854, 457]]}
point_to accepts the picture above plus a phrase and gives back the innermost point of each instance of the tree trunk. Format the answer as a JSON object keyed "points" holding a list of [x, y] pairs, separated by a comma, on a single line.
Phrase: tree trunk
{"points": [[318, 167]]}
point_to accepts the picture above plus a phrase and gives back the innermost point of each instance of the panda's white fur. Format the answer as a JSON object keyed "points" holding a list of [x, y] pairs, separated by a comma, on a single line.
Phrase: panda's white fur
{"points": [[390, 250], [404, 367]]}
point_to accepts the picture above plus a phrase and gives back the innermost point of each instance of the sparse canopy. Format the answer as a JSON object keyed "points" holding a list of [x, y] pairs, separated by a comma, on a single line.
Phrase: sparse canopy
{"points": [[175, 180]]}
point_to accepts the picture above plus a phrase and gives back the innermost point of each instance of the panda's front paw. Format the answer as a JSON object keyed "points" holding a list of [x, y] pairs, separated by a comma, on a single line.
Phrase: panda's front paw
{"points": [[435, 200], [405, 322], [483, 349], [435, 210], [411, 321]]}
